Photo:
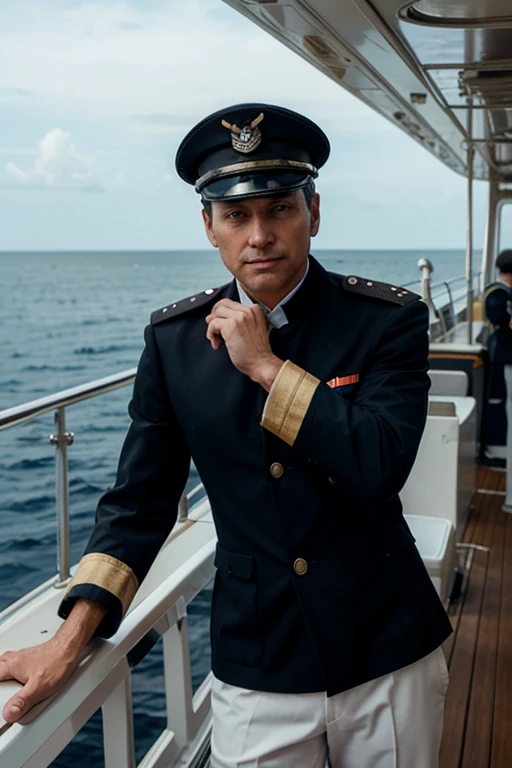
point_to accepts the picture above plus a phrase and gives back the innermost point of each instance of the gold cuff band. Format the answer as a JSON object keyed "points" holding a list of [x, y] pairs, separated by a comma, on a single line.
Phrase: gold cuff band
{"points": [[110, 574], [288, 401]]}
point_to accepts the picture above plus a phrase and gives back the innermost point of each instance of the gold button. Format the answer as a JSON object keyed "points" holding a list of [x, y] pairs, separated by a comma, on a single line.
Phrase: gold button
{"points": [[276, 470], [300, 566]]}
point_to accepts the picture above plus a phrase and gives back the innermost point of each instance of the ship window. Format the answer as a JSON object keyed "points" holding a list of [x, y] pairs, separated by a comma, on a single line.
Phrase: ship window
{"points": [[459, 13]]}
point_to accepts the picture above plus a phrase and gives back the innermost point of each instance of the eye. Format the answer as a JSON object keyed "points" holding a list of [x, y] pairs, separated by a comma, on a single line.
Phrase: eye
{"points": [[234, 215], [280, 208]]}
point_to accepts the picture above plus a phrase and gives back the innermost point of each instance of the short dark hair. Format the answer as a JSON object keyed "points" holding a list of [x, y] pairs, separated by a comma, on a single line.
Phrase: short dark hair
{"points": [[309, 190], [504, 262]]}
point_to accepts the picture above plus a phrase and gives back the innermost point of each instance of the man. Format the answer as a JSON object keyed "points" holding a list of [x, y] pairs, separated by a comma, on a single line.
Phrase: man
{"points": [[498, 308], [302, 397]]}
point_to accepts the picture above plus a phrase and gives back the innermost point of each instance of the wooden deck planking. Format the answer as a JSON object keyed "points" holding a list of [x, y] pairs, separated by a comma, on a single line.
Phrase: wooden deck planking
{"points": [[477, 744], [461, 666], [477, 733], [455, 610], [501, 754]]}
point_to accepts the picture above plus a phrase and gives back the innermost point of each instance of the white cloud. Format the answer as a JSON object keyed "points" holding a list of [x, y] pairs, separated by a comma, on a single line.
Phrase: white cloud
{"points": [[58, 165], [167, 67], [15, 174], [133, 76]]}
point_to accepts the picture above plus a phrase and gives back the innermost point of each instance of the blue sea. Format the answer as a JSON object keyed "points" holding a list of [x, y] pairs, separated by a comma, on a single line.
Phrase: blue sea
{"points": [[70, 318]]}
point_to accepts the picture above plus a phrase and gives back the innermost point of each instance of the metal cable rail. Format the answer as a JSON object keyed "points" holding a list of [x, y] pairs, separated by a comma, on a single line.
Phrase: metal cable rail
{"points": [[62, 439], [28, 411], [443, 283]]}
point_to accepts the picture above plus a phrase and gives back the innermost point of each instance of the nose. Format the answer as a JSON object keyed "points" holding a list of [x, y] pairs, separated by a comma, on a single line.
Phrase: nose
{"points": [[260, 234]]}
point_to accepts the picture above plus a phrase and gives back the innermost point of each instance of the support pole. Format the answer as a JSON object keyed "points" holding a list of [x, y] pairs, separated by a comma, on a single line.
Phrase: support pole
{"points": [[491, 235], [469, 231], [62, 439]]}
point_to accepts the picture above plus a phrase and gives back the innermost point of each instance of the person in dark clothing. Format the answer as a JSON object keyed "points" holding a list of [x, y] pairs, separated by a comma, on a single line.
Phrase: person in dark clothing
{"points": [[498, 309]]}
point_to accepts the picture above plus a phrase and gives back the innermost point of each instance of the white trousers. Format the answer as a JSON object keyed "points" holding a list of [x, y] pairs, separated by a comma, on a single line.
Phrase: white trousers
{"points": [[395, 721]]}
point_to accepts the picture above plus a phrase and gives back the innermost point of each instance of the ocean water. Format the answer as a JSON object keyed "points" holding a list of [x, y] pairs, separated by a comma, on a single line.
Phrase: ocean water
{"points": [[70, 318]]}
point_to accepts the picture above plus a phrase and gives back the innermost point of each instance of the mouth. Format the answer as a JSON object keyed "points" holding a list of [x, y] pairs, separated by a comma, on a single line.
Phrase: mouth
{"points": [[263, 263]]}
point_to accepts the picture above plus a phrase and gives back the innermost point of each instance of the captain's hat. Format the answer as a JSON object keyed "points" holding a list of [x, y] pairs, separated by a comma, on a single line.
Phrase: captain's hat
{"points": [[251, 150]]}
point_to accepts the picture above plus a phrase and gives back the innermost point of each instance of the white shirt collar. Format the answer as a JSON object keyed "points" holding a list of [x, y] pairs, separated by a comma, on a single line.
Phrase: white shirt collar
{"points": [[277, 316]]}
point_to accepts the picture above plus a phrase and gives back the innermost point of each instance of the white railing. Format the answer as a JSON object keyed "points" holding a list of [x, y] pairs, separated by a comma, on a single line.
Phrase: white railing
{"points": [[62, 440], [103, 677], [447, 300]]}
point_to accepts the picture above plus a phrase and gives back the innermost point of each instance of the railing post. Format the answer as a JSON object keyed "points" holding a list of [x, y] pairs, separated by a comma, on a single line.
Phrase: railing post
{"points": [[491, 234], [469, 230], [450, 299], [62, 439], [426, 267], [183, 509], [117, 713]]}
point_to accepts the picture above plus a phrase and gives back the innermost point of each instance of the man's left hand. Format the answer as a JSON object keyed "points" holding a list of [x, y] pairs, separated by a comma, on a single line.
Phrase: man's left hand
{"points": [[245, 333]]}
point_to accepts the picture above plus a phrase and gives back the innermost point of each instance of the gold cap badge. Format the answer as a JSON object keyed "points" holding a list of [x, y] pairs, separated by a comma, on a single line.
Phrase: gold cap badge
{"points": [[245, 139]]}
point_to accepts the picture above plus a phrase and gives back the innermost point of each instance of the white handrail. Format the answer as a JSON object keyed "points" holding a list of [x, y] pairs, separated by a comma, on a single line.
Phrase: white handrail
{"points": [[103, 676], [11, 417]]}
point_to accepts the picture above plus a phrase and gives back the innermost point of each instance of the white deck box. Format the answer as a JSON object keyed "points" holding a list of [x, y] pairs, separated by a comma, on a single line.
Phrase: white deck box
{"points": [[435, 540], [442, 480], [449, 383]]}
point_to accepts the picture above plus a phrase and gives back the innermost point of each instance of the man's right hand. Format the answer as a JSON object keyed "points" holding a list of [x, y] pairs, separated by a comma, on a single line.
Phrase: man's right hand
{"points": [[43, 669]]}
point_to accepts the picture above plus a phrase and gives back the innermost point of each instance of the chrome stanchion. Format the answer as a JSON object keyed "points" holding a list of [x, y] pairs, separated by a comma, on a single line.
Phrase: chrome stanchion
{"points": [[62, 440], [469, 230]]}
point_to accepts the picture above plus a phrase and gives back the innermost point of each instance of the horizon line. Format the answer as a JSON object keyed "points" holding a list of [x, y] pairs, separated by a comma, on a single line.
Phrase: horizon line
{"points": [[202, 250]]}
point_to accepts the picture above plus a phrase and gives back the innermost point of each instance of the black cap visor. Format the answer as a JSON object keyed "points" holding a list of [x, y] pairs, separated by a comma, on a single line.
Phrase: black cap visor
{"points": [[249, 185]]}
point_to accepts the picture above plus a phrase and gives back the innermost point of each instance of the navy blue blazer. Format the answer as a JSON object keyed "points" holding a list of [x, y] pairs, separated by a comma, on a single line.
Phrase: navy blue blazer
{"points": [[497, 304], [319, 585]]}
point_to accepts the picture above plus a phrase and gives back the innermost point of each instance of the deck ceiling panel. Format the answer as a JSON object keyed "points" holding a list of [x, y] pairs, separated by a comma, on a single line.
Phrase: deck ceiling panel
{"points": [[464, 47], [459, 12], [457, 47], [343, 41], [432, 45], [418, 72]]}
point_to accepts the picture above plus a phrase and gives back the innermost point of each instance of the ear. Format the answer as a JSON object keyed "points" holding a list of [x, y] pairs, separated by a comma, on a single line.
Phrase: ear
{"points": [[314, 215], [208, 229]]}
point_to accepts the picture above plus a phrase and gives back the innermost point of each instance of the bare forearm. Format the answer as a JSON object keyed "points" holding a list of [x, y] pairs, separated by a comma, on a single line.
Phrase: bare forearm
{"points": [[266, 370], [80, 626]]}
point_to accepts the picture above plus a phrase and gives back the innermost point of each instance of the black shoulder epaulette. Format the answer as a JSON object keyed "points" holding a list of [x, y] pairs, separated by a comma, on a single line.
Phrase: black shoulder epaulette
{"points": [[184, 305], [376, 290]]}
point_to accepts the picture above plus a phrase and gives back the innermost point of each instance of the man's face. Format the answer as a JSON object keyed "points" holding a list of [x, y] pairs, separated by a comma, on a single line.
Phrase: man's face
{"points": [[264, 241]]}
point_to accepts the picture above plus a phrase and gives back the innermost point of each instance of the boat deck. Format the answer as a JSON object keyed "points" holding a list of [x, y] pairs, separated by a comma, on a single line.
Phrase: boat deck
{"points": [[478, 725]]}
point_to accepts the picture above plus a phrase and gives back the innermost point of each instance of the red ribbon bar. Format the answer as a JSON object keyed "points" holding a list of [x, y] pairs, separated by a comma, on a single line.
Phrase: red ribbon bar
{"points": [[340, 381]]}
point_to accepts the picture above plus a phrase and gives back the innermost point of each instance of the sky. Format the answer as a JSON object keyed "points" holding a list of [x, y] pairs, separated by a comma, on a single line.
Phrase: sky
{"points": [[96, 96]]}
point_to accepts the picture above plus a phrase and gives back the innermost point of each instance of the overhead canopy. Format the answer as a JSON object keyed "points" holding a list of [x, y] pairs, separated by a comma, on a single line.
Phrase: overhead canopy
{"points": [[420, 65]]}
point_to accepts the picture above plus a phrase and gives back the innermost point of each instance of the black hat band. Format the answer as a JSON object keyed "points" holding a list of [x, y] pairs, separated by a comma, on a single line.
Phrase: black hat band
{"points": [[254, 165], [247, 185]]}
